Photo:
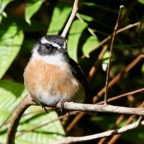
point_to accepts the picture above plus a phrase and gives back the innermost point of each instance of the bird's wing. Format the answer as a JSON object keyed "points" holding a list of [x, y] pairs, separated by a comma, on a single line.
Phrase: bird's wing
{"points": [[79, 75]]}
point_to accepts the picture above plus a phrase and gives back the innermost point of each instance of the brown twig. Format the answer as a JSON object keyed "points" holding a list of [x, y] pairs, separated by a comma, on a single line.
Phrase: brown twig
{"points": [[100, 135], [16, 118], [93, 69], [122, 95], [71, 18], [111, 52]]}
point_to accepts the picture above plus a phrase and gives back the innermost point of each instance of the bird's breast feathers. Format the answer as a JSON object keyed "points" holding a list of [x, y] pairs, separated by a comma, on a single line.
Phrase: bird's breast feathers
{"points": [[49, 84]]}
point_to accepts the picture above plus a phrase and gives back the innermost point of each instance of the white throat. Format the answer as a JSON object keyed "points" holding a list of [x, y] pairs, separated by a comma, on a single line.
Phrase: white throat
{"points": [[58, 59]]}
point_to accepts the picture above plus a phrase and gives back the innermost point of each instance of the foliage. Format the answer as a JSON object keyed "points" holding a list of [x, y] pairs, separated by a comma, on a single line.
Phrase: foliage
{"points": [[22, 23]]}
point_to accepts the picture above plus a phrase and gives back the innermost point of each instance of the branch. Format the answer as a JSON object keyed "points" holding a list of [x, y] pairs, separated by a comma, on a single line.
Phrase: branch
{"points": [[100, 135], [101, 108], [71, 18], [110, 57], [16, 118], [69, 106]]}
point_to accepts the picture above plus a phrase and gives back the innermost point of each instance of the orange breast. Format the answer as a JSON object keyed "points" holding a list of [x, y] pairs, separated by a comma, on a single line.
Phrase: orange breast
{"points": [[51, 83]]}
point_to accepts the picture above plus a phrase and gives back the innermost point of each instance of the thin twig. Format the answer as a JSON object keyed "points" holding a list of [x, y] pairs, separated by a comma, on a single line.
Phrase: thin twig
{"points": [[100, 135], [122, 95], [71, 18], [110, 57]]}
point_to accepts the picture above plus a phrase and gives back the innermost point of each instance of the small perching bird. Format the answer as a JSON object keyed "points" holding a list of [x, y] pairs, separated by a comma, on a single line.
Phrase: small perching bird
{"points": [[51, 76]]}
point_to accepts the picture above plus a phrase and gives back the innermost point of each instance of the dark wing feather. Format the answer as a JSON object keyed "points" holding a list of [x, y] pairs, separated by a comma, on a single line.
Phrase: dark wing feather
{"points": [[79, 75]]}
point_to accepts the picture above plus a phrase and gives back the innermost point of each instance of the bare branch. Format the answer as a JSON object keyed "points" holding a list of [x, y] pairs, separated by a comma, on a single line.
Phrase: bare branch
{"points": [[100, 135], [71, 18], [110, 57], [16, 118], [101, 108]]}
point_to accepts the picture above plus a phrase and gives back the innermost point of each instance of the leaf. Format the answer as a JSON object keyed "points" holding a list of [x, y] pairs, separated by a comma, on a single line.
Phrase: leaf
{"points": [[74, 36], [59, 18], [141, 1], [90, 45], [86, 17], [11, 94], [10, 43], [32, 7], [3, 4], [46, 134]]}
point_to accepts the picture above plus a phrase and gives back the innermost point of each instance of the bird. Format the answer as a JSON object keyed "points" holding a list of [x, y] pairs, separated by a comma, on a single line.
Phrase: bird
{"points": [[51, 76]]}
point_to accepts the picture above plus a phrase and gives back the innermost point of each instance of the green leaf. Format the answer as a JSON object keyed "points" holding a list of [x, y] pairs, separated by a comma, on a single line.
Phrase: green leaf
{"points": [[74, 36], [3, 4], [141, 1], [46, 134], [11, 94], [90, 45], [60, 15], [86, 17], [32, 7], [10, 43]]}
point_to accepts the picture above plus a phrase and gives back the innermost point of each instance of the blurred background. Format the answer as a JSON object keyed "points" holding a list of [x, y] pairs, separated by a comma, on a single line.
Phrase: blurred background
{"points": [[22, 23]]}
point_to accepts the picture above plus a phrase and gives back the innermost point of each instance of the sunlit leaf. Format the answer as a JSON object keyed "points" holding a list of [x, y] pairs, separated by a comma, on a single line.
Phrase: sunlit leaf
{"points": [[60, 15], [31, 8], [90, 45], [11, 94], [10, 43], [141, 1], [74, 36], [3, 4]]}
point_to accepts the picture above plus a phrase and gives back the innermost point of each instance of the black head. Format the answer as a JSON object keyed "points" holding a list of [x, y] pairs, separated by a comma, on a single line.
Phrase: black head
{"points": [[51, 45]]}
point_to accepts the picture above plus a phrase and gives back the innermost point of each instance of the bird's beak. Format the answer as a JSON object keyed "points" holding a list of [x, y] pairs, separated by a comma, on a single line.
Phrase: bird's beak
{"points": [[62, 50]]}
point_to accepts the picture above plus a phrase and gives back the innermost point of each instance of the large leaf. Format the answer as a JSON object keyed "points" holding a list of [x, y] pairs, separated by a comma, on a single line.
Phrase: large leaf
{"points": [[60, 15], [10, 96], [46, 134], [31, 8], [74, 36], [10, 43]]}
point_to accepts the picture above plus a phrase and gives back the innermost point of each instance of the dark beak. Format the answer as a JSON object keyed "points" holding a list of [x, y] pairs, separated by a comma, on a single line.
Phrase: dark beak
{"points": [[62, 50]]}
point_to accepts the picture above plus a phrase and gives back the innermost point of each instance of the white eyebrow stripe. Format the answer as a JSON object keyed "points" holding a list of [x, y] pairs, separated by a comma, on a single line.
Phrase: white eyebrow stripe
{"points": [[45, 41], [55, 45]]}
